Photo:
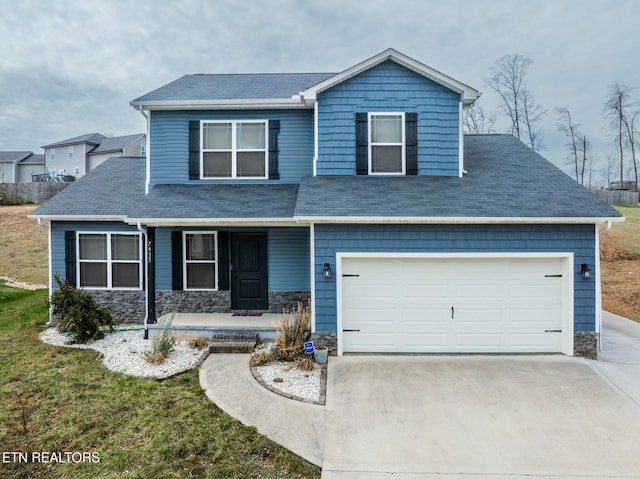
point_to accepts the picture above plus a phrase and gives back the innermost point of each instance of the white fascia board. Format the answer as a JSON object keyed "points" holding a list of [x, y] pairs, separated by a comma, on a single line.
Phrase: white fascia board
{"points": [[468, 94], [219, 104], [169, 222], [453, 220]]}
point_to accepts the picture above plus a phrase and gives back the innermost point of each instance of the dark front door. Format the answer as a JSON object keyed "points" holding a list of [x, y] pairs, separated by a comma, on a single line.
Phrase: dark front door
{"points": [[250, 287]]}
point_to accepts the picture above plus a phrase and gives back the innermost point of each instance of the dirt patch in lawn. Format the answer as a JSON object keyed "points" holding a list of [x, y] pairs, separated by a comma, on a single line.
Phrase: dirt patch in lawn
{"points": [[620, 266], [23, 245]]}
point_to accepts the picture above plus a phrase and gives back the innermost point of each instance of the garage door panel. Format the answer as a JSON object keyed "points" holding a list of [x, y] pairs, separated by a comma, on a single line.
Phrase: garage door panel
{"points": [[424, 343], [500, 304]]}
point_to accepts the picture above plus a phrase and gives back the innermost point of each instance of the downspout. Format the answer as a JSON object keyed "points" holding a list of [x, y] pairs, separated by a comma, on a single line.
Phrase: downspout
{"points": [[50, 264], [148, 150], [143, 231], [599, 231]]}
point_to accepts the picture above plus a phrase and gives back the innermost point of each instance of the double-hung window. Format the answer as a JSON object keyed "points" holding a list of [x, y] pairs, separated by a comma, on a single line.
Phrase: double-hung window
{"points": [[200, 259], [234, 149], [386, 143], [109, 261]]}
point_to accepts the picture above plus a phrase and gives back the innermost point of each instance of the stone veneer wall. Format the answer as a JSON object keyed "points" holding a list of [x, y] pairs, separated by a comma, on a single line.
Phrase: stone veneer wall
{"points": [[585, 344], [126, 306], [192, 302], [281, 300], [129, 306]]}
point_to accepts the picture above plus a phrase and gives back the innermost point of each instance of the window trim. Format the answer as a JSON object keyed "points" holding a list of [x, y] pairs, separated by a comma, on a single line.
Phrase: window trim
{"points": [[234, 150], [402, 144], [185, 285], [70, 152], [109, 261]]}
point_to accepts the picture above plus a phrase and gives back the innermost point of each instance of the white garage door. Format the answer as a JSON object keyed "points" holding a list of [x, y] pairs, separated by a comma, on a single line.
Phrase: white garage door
{"points": [[452, 304]]}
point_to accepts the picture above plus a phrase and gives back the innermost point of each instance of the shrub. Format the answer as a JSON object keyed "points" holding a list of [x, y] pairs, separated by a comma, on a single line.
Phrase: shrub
{"points": [[161, 347], [294, 330], [198, 343], [305, 364], [77, 312]]}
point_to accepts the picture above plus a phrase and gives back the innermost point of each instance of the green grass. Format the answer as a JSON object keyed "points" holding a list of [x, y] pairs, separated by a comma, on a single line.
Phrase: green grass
{"points": [[62, 399]]}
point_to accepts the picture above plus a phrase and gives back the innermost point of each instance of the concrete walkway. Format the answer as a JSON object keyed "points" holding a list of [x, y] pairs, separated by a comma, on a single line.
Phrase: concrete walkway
{"points": [[410, 417], [228, 382]]}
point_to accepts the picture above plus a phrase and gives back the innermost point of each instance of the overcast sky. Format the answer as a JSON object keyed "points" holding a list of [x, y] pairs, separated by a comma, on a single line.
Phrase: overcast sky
{"points": [[71, 67]]}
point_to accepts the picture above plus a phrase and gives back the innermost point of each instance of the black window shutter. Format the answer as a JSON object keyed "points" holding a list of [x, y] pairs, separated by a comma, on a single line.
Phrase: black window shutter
{"points": [[411, 142], [70, 257], [194, 150], [362, 144], [223, 261], [274, 130], [176, 260]]}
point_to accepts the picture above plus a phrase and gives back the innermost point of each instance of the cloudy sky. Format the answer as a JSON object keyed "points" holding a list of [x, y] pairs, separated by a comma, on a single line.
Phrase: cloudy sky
{"points": [[71, 67]]}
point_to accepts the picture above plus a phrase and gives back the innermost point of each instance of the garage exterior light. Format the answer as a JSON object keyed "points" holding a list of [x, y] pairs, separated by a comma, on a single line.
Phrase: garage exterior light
{"points": [[585, 270], [326, 269]]}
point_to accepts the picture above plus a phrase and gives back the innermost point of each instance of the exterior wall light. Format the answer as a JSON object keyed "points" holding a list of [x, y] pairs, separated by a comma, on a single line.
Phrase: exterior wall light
{"points": [[326, 270], [586, 272]]}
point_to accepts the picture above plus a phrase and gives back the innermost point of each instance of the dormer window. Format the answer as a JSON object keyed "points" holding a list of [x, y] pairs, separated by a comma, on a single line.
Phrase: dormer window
{"points": [[234, 149], [386, 143]]}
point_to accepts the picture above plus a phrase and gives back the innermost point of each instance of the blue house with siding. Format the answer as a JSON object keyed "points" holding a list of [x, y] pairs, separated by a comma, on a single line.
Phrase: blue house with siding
{"points": [[356, 191]]}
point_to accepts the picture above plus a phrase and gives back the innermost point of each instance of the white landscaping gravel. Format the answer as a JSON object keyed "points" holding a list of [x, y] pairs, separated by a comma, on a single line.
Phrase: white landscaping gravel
{"points": [[304, 384], [123, 351]]}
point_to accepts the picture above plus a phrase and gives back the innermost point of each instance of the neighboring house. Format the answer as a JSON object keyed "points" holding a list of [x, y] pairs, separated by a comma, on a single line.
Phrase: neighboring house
{"points": [[77, 156], [18, 166], [129, 145], [29, 167], [355, 190]]}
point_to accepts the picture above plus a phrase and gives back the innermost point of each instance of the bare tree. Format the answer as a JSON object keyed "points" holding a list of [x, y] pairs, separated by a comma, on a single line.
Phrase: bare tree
{"points": [[608, 169], [509, 81], [476, 121], [570, 130], [621, 112], [532, 116]]}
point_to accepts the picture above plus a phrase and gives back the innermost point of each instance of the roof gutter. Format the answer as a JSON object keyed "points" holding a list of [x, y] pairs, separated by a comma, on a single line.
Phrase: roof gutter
{"points": [[454, 220], [171, 222], [274, 103], [77, 217]]}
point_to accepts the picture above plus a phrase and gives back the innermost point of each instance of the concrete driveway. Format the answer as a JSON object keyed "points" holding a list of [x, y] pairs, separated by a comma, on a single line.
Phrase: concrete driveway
{"points": [[490, 416], [410, 417]]}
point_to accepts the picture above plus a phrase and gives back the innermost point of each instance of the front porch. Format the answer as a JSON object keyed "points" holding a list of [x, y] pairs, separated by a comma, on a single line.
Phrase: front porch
{"points": [[210, 325]]}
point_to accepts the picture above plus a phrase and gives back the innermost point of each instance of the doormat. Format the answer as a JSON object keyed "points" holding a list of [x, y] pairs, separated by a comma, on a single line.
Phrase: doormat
{"points": [[246, 313]]}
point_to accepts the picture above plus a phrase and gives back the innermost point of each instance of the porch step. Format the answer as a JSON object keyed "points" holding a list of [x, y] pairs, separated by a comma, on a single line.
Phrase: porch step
{"points": [[233, 342]]}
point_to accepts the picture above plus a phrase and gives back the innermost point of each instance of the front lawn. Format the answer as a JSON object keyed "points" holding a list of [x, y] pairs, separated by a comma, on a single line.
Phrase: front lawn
{"points": [[62, 400]]}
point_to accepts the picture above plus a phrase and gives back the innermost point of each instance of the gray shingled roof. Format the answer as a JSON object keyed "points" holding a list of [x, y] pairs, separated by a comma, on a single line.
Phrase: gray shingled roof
{"points": [[12, 156], [249, 86], [35, 159], [218, 201], [111, 189], [92, 138], [505, 179], [115, 143]]}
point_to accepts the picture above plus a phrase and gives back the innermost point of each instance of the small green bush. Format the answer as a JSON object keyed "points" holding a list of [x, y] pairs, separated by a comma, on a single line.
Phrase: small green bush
{"points": [[161, 347], [77, 312]]}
